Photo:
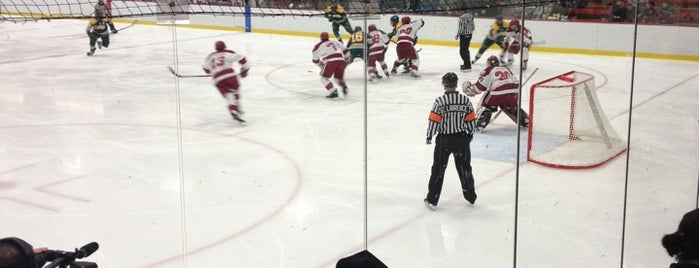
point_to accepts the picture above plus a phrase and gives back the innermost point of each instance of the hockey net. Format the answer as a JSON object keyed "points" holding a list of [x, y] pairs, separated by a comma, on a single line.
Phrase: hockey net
{"points": [[567, 126], [27, 10]]}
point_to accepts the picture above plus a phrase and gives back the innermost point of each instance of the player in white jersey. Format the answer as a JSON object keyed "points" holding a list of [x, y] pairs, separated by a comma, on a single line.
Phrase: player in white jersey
{"points": [[513, 36], [404, 46], [220, 66], [501, 87], [378, 41], [332, 57]]}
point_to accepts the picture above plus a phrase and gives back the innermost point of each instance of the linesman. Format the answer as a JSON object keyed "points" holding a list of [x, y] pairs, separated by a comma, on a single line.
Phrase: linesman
{"points": [[464, 35], [452, 119]]}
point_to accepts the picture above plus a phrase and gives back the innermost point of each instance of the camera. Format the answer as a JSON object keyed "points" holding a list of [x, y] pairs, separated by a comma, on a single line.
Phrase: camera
{"points": [[17, 253], [65, 259]]}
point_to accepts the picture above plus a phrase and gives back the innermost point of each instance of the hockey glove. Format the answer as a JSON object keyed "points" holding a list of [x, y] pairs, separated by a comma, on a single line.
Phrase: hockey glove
{"points": [[469, 89]]}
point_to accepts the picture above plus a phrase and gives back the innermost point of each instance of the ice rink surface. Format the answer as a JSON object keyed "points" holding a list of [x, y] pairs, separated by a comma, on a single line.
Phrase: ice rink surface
{"points": [[113, 148]]}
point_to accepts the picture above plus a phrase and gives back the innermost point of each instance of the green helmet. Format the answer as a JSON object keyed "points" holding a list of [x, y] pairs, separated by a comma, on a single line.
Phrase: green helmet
{"points": [[357, 29], [394, 19]]}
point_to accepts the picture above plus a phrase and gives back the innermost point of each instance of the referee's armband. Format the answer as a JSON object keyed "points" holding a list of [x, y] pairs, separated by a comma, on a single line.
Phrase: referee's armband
{"points": [[434, 117], [471, 116]]}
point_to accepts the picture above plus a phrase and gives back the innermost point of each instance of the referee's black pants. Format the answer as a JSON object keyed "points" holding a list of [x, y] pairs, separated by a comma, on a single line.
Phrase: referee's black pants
{"points": [[459, 145], [464, 44]]}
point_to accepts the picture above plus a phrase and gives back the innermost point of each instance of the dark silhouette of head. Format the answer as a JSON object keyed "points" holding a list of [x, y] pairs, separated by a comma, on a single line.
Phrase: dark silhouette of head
{"points": [[16, 253], [684, 243]]}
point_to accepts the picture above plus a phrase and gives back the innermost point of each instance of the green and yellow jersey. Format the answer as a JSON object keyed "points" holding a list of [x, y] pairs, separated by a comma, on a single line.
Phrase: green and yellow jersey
{"points": [[99, 26], [498, 31]]}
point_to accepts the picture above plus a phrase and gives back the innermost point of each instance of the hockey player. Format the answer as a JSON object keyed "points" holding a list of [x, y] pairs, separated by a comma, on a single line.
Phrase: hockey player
{"points": [[501, 89], [513, 36], [336, 14], [98, 31], [331, 57], [220, 66], [496, 35], [356, 44], [395, 24], [404, 47], [378, 42]]}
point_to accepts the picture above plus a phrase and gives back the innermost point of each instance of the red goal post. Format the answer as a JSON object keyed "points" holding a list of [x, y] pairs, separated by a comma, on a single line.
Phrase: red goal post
{"points": [[567, 125]]}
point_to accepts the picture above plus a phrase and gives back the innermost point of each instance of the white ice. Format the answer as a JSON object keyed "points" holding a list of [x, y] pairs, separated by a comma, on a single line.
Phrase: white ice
{"points": [[113, 148]]}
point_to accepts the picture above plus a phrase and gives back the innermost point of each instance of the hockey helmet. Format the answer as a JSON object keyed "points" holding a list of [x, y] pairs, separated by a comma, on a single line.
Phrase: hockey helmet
{"points": [[450, 80], [372, 27], [357, 29], [394, 19], [514, 24], [405, 20], [324, 36], [493, 61], [220, 45]]}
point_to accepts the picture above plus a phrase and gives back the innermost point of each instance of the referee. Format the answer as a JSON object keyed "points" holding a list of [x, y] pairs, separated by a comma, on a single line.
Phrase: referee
{"points": [[453, 117], [466, 27]]}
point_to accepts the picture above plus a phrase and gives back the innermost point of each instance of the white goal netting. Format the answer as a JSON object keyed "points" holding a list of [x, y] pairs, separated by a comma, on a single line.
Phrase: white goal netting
{"points": [[567, 125]]}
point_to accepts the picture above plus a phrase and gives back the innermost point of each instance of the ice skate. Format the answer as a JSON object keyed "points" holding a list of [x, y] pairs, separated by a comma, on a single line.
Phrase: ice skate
{"points": [[377, 75], [470, 196], [91, 52], [344, 89], [333, 94], [414, 74], [429, 205], [475, 59], [236, 117]]}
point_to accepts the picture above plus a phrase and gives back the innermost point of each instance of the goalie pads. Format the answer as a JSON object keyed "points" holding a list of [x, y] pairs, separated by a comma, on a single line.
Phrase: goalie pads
{"points": [[469, 89]]}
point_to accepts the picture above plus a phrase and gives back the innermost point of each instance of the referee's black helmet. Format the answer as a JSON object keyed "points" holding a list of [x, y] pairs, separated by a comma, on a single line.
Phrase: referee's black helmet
{"points": [[450, 79]]}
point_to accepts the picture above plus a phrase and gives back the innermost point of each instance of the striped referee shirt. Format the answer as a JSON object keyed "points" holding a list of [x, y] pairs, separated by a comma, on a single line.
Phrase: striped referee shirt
{"points": [[466, 25], [451, 113]]}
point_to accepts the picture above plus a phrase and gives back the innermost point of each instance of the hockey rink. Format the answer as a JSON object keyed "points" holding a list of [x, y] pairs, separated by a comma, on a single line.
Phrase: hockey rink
{"points": [[115, 149]]}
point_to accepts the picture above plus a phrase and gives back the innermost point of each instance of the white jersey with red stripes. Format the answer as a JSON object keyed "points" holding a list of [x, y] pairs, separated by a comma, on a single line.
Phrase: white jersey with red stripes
{"points": [[514, 35], [379, 41], [329, 50], [220, 64], [408, 32], [499, 80]]}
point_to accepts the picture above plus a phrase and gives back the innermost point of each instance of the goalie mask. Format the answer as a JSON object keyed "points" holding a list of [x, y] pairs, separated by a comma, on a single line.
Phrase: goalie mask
{"points": [[450, 80], [220, 46], [493, 61]]}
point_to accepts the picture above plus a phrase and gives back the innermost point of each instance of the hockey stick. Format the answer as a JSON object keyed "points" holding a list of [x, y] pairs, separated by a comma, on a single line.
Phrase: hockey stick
{"points": [[186, 76], [128, 26], [525, 82]]}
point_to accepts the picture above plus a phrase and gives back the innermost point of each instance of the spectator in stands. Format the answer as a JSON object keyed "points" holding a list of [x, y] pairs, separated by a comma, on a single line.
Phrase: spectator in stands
{"points": [[631, 14], [648, 13], [683, 244], [619, 12], [558, 12], [667, 13]]}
